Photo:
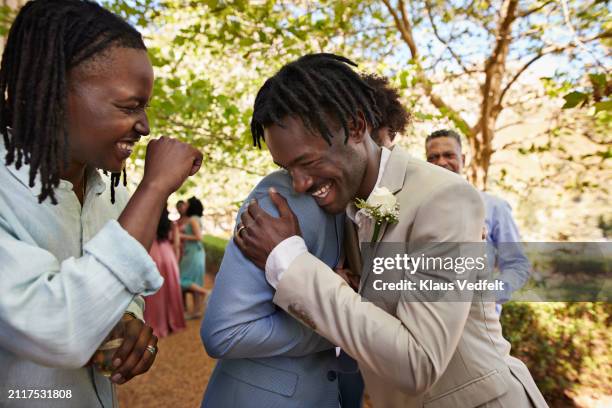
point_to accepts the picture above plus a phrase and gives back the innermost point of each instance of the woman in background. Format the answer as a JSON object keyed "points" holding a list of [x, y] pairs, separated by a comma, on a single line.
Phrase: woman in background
{"points": [[164, 309], [193, 261], [181, 208]]}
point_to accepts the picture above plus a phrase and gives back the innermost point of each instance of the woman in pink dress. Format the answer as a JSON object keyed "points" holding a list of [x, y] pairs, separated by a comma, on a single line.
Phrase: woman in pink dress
{"points": [[164, 310]]}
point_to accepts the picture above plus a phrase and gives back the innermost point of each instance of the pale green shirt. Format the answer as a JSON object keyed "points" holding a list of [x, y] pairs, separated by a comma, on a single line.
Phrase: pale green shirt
{"points": [[67, 274]]}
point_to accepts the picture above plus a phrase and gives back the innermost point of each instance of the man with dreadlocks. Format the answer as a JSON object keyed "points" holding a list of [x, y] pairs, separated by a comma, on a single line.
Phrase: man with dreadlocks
{"points": [[314, 116], [75, 80], [260, 343], [393, 119]]}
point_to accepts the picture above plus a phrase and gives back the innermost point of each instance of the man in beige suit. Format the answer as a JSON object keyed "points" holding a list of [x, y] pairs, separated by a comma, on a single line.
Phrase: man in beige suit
{"points": [[315, 115]]}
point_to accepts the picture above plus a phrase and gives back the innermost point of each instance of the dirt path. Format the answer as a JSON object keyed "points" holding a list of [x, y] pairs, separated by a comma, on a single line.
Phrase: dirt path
{"points": [[177, 379]]}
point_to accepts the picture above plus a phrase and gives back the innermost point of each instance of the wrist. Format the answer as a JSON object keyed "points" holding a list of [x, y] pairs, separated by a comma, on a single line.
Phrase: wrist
{"points": [[154, 188], [127, 315]]}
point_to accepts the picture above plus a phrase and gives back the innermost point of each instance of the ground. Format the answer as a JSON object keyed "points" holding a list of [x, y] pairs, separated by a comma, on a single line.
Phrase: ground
{"points": [[177, 379]]}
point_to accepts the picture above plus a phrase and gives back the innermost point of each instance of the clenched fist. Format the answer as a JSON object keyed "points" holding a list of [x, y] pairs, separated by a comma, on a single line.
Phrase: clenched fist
{"points": [[169, 162]]}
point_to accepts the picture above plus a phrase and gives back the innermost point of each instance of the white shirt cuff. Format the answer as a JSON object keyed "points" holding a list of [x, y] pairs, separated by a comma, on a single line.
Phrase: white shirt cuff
{"points": [[282, 256], [136, 307]]}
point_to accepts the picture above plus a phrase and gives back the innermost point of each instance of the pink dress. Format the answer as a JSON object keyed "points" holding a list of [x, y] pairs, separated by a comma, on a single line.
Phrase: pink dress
{"points": [[164, 310]]}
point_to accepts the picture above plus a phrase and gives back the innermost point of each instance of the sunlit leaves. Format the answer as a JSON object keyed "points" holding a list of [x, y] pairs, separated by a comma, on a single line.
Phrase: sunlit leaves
{"points": [[572, 99]]}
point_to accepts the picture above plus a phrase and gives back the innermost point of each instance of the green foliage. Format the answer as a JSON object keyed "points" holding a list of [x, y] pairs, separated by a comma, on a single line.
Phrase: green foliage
{"points": [[574, 264], [605, 225], [215, 248], [572, 99], [565, 345], [210, 57], [7, 14], [597, 93]]}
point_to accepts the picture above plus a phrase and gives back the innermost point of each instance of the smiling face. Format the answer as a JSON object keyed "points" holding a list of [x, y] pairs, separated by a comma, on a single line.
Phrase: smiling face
{"points": [[445, 152], [106, 107], [331, 174]]}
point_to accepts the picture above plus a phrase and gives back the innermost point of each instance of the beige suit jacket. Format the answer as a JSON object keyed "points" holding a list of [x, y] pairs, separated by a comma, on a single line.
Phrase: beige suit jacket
{"points": [[414, 354]]}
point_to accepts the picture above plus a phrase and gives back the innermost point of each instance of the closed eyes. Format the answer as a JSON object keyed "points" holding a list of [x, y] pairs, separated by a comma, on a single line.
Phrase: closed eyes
{"points": [[137, 109]]}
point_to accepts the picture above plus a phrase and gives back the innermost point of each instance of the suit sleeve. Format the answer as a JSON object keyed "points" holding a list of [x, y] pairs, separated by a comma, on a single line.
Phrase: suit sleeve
{"points": [[412, 349], [241, 320]]}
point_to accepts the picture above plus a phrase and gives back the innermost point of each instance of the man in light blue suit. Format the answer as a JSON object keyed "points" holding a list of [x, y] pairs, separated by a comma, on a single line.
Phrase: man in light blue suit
{"points": [[267, 358]]}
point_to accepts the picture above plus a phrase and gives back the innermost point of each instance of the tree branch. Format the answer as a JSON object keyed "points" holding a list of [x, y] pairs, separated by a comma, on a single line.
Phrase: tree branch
{"points": [[403, 25], [545, 51], [494, 69], [516, 76], [437, 34], [576, 39], [509, 125], [534, 9], [230, 166]]}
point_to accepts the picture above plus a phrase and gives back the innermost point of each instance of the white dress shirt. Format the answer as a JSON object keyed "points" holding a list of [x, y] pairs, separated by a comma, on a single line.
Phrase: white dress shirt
{"points": [[285, 253], [68, 273]]}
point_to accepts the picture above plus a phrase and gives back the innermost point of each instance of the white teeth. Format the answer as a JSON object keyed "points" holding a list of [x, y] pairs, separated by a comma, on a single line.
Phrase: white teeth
{"points": [[126, 146], [322, 192]]}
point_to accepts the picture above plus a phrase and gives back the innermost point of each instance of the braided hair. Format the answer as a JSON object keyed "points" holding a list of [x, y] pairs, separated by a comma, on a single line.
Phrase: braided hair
{"points": [[48, 39], [311, 88]]}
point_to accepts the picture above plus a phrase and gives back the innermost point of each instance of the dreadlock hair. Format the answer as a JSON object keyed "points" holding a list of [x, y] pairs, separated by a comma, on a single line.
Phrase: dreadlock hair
{"points": [[393, 115], [311, 88], [48, 39], [115, 179]]}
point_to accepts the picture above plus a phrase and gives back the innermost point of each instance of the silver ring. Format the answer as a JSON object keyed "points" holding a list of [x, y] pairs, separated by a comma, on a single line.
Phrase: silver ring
{"points": [[240, 228], [152, 349]]}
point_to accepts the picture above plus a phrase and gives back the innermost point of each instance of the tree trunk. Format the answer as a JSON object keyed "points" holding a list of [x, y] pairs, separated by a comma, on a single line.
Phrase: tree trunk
{"points": [[480, 136], [495, 68]]}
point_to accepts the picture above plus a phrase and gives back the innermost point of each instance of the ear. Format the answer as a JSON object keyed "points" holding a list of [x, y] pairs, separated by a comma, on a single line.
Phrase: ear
{"points": [[358, 128], [462, 159]]}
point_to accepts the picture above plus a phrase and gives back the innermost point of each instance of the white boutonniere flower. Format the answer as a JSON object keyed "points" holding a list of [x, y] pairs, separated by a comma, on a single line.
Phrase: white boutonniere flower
{"points": [[381, 207]]}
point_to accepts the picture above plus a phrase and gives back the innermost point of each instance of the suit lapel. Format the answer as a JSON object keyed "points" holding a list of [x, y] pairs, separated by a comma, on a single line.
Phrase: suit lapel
{"points": [[394, 173], [393, 178], [351, 246]]}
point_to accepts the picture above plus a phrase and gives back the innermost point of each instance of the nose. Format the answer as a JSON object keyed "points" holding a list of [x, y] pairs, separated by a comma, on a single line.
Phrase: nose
{"points": [[441, 162], [301, 182], [142, 125]]}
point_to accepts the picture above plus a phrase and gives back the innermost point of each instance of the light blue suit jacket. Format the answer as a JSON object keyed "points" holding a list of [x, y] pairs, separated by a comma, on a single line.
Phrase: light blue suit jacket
{"points": [[268, 359]]}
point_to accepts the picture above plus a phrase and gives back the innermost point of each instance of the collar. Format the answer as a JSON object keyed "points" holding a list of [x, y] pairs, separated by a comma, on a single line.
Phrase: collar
{"points": [[351, 209], [394, 176], [94, 180]]}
